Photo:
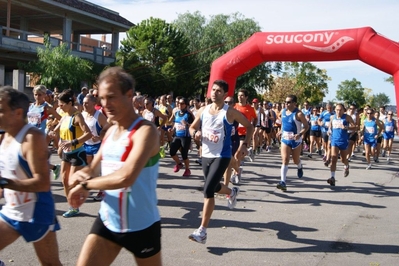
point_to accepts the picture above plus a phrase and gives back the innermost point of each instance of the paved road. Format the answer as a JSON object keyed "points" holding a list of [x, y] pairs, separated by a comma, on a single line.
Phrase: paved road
{"points": [[354, 223]]}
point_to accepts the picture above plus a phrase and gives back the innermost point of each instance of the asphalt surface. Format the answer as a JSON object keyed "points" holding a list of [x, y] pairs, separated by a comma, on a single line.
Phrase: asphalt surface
{"points": [[353, 223]]}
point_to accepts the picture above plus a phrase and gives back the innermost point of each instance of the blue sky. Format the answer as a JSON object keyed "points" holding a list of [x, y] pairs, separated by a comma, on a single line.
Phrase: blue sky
{"points": [[289, 16]]}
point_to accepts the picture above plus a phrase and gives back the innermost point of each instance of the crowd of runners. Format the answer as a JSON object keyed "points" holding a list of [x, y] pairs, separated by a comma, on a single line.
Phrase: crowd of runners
{"points": [[110, 139]]}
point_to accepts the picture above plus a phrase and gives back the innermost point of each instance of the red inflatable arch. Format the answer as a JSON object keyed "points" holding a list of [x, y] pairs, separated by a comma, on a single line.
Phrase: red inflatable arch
{"points": [[330, 45]]}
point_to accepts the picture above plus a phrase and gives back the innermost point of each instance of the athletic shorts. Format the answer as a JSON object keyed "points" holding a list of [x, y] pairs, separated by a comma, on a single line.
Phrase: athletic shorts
{"points": [[76, 157], [166, 128], [268, 130], [242, 137], [31, 232], [325, 136], [143, 244], [213, 169], [315, 133], [235, 144], [292, 143], [353, 136], [379, 139], [342, 145], [372, 143], [91, 149], [388, 136]]}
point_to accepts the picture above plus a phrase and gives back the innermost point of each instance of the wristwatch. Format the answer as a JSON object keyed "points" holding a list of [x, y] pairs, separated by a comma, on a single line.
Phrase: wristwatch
{"points": [[3, 182]]}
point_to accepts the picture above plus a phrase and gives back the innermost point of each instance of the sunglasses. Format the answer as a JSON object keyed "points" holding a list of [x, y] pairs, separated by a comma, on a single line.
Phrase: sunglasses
{"points": [[181, 103], [369, 113], [288, 102], [228, 102], [390, 114]]}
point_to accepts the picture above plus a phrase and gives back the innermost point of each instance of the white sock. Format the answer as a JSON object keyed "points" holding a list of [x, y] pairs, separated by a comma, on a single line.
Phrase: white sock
{"points": [[201, 228], [284, 170], [299, 164], [333, 174]]}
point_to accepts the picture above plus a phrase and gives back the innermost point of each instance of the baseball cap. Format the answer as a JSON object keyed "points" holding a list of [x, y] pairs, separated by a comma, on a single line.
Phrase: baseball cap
{"points": [[49, 92], [255, 100]]}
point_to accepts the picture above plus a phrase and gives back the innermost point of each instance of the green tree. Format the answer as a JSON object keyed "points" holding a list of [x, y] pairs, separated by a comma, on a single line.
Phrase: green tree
{"points": [[380, 99], [156, 54], [351, 91], [282, 86], [56, 66], [390, 79], [311, 82], [211, 38], [305, 80]]}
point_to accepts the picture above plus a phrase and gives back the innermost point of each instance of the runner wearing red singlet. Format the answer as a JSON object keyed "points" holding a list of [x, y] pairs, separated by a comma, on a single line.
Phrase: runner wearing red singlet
{"points": [[249, 112]]}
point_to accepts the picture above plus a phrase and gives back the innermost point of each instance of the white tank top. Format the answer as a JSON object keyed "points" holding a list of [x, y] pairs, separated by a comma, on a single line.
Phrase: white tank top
{"points": [[23, 206], [216, 133], [93, 125]]}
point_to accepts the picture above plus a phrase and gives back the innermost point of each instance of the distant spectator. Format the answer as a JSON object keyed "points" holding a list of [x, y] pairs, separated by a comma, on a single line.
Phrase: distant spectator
{"points": [[82, 95]]}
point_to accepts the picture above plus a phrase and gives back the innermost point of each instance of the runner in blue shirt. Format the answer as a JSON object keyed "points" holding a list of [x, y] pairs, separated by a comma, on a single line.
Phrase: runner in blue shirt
{"points": [[338, 129]]}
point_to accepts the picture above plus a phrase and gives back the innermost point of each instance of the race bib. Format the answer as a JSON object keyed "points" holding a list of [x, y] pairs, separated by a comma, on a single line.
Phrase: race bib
{"points": [[212, 136], [337, 124], [34, 119], [108, 167], [16, 199], [288, 135], [327, 124], [389, 128], [180, 127], [370, 130], [313, 123]]}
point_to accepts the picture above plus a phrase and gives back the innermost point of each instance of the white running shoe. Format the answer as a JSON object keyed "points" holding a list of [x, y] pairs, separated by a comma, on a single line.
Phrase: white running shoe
{"points": [[232, 199], [368, 167], [198, 236]]}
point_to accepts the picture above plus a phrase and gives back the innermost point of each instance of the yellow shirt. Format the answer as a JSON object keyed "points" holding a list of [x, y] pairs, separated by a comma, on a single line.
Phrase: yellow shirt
{"points": [[68, 131]]}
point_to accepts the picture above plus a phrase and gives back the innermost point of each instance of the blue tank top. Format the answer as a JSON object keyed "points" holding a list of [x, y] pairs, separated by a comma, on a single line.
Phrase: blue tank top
{"points": [[325, 117], [389, 128], [289, 125], [337, 132], [182, 122], [37, 115], [370, 129], [314, 126], [132, 208]]}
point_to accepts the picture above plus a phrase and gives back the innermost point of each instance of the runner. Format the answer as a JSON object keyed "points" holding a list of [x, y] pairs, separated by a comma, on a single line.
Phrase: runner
{"points": [[324, 122], [182, 119], [37, 115], [371, 130], [98, 125], [29, 209], [249, 112], [315, 133], [257, 138], [73, 133], [291, 138], [234, 170], [129, 159], [339, 137], [216, 122], [390, 128], [353, 135]]}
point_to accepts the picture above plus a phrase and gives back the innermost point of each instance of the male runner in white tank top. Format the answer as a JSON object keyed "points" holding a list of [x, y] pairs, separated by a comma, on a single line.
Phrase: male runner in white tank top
{"points": [[216, 121], [29, 210]]}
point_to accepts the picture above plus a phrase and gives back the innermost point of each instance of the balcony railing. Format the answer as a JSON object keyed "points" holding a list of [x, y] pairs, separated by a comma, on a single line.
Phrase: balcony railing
{"points": [[27, 42]]}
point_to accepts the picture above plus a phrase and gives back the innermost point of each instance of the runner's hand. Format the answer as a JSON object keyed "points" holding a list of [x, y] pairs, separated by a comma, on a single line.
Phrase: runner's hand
{"points": [[77, 196]]}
